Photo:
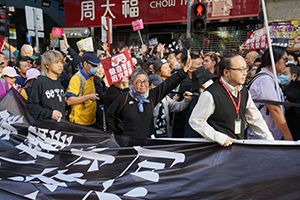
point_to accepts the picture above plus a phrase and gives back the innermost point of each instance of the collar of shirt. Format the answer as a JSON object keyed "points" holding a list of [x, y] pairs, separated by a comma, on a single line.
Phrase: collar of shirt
{"points": [[84, 74], [232, 90]]}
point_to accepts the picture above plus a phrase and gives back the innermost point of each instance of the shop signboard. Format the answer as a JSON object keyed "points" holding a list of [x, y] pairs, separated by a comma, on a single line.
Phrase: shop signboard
{"points": [[88, 13]]}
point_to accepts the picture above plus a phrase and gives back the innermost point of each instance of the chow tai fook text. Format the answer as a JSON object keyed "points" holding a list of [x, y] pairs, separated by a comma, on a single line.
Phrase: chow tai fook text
{"points": [[125, 11]]}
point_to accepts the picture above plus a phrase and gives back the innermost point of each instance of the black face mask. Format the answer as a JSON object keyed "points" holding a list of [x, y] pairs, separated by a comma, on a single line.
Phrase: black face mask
{"points": [[11, 63]]}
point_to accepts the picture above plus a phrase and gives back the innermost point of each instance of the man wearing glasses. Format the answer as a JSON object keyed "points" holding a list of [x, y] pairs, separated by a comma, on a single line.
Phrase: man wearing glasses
{"points": [[225, 108]]}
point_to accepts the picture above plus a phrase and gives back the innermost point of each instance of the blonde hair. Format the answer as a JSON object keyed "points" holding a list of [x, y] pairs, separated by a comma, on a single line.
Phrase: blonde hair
{"points": [[49, 57], [27, 49]]}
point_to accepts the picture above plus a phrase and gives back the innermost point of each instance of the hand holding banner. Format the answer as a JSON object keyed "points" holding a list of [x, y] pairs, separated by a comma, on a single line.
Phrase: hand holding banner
{"points": [[117, 67]]}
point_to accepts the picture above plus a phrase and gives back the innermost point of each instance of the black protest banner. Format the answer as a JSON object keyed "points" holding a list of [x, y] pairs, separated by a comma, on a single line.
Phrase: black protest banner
{"points": [[62, 160]]}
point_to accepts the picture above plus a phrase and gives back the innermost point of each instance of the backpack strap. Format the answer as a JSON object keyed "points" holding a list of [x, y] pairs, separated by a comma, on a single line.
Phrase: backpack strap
{"points": [[124, 104], [250, 83], [82, 83], [255, 77]]}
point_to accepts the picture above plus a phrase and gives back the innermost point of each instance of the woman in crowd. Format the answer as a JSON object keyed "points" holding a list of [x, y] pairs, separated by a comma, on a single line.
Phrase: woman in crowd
{"points": [[32, 74], [10, 75], [263, 88], [135, 107]]}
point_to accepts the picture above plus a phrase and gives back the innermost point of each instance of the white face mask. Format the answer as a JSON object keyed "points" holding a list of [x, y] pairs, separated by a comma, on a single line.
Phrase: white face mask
{"points": [[177, 65]]}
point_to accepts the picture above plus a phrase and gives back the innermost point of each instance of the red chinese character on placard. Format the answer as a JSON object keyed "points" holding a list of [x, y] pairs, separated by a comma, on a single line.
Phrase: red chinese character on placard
{"points": [[117, 67]]}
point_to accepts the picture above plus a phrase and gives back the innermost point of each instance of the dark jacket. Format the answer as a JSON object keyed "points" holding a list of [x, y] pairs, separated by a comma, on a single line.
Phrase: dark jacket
{"points": [[139, 124]]}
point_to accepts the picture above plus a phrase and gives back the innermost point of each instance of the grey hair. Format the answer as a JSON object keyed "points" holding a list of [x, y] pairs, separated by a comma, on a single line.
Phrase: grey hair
{"points": [[27, 49], [136, 72]]}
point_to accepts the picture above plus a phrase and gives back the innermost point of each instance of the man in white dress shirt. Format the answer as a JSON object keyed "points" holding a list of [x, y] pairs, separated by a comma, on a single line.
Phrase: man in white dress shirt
{"points": [[226, 108]]}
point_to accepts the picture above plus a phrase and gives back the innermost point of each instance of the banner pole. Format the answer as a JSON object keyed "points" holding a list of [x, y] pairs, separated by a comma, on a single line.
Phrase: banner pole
{"points": [[141, 37], [271, 50], [108, 35]]}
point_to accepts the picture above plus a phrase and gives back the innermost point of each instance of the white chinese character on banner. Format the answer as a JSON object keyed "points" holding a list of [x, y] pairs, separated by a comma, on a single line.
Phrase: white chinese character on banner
{"points": [[108, 5], [119, 69], [130, 7], [257, 45], [124, 66], [112, 71], [129, 70], [126, 73], [114, 78], [87, 10], [120, 75]]}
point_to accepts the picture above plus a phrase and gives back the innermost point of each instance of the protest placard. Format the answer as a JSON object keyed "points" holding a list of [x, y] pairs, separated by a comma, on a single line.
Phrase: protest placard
{"points": [[2, 41], [63, 47], [256, 40], [85, 44], [153, 42], [117, 67]]}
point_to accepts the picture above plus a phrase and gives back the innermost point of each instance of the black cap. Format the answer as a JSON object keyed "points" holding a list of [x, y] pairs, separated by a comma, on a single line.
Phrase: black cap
{"points": [[91, 58], [25, 58], [201, 76], [157, 62]]}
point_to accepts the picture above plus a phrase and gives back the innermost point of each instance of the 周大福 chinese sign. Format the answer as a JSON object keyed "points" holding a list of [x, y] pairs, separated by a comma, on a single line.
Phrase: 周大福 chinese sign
{"points": [[88, 13]]}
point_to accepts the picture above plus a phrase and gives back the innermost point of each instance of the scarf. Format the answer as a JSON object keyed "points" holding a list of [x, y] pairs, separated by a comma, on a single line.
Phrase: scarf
{"points": [[141, 98]]}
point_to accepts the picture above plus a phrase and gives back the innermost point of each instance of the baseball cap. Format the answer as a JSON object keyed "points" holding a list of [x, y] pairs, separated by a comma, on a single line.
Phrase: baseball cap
{"points": [[9, 71], [91, 58], [155, 79], [25, 58], [8, 54], [32, 73]]}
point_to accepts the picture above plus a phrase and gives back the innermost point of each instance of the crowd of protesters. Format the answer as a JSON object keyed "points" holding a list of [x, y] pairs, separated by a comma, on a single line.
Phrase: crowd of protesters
{"points": [[170, 93]]}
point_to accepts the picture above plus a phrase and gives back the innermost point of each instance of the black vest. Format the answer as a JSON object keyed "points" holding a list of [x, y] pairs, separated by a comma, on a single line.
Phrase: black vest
{"points": [[223, 119]]}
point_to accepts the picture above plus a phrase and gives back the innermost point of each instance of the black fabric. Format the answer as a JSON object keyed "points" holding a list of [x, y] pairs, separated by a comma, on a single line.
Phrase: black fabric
{"points": [[112, 93], [45, 96], [99, 87], [65, 79], [63, 160], [139, 124], [223, 119], [180, 117], [189, 131]]}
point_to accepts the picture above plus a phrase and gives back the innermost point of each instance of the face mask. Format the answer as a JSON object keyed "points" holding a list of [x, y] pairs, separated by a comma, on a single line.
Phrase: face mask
{"points": [[177, 65], [254, 67], [11, 63], [284, 79], [290, 62], [93, 70]]}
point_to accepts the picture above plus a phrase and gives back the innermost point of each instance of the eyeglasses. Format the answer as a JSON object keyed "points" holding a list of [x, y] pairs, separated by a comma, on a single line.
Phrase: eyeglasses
{"points": [[139, 82], [170, 57], [241, 70]]}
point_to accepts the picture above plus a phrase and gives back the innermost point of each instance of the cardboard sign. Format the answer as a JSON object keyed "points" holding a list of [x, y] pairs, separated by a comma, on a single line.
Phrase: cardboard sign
{"points": [[117, 67], [137, 25], [153, 42], [63, 47], [100, 52], [256, 40], [57, 32], [85, 44]]}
